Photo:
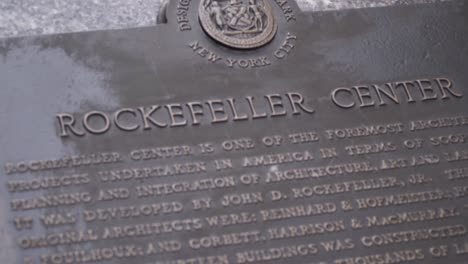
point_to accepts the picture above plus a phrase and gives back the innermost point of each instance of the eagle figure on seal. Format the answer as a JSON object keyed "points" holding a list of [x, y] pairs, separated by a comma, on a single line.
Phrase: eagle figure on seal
{"points": [[236, 17]]}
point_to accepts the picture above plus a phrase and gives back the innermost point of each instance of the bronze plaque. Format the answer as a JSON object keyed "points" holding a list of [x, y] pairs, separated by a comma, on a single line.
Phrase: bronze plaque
{"points": [[239, 132]]}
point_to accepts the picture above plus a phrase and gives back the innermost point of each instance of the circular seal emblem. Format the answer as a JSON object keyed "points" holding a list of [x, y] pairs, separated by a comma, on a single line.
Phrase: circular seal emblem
{"points": [[242, 24]]}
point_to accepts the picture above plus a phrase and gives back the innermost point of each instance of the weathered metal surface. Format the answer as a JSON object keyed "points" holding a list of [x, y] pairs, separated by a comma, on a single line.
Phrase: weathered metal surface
{"points": [[343, 140]]}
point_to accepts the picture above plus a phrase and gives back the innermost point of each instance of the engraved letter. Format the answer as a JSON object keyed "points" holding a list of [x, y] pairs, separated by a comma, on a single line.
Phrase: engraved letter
{"points": [[255, 115], [175, 111], [297, 100], [147, 117], [117, 121], [66, 121], [340, 104], [102, 130], [363, 93], [194, 112], [446, 85], [390, 94], [232, 104], [195, 45], [276, 102], [406, 90], [427, 92], [217, 107]]}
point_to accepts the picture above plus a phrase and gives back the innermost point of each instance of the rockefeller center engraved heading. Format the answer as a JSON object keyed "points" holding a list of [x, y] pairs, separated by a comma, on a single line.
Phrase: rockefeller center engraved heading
{"points": [[224, 110]]}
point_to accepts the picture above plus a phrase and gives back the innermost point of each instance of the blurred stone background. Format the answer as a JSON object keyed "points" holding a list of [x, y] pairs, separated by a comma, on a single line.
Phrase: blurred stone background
{"points": [[36, 17]]}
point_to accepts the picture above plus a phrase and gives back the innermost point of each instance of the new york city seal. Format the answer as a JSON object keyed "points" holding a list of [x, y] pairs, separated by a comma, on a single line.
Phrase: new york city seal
{"points": [[241, 24]]}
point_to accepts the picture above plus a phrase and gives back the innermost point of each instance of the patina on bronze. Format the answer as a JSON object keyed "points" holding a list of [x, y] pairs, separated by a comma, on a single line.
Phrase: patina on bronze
{"points": [[337, 138]]}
